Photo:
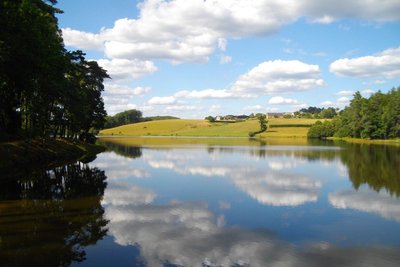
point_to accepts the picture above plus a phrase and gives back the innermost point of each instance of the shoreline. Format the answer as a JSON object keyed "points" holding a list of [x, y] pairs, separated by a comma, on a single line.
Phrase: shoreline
{"points": [[351, 140], [45, 152]]}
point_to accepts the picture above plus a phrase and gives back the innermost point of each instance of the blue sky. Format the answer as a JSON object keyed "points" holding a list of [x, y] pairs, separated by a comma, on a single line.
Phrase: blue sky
{"points": [[194, 58]]}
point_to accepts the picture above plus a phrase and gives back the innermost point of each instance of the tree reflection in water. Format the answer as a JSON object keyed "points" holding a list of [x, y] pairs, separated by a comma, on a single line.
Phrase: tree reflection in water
{"points": [[375, 165], [48, 217]]}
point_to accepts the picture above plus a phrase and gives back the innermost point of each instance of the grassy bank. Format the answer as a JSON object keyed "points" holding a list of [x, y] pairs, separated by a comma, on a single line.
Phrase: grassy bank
{"points": [[184, 127], [367, 141], [44, 152]]}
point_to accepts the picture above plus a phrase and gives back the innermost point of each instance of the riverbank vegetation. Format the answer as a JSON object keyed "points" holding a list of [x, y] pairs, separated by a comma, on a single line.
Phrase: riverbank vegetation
{"points": [[45, 90], [376, 117]]}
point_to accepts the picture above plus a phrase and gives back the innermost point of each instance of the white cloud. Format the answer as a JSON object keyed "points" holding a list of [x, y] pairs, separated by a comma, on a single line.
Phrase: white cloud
{"points": [[327, 104], [82, 40], [345, 93], [367, 92], [183, 108], [225, 59], [117, 89], [278, 76], [323, 20], [197, 27], [207, 93], [278, 100], [385, 64], [124, 69], [119, 97], [343, 99], [165, 100]]}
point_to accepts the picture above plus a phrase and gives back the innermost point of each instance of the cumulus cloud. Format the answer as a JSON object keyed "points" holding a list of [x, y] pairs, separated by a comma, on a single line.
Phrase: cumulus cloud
{"points": [[162, 100], [82, 40], [278, 100], [345, 93], [183, 108], [385, 64], [278, 76], [327, 103], [343, 99], [339, 103], [367, 92], [207, 93], [369, 201], [197, 27], [119, 97], [125, 69]]}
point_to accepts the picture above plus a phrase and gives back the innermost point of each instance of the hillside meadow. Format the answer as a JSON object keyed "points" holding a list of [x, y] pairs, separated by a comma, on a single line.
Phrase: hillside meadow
{"points": [[277, 127]]}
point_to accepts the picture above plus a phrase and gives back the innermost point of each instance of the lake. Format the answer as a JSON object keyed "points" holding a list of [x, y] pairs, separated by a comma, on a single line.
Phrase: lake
{"points": [[207, 202]]}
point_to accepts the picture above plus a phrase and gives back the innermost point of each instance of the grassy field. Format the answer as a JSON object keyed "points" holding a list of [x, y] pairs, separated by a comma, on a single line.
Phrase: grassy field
{"points": [[184, 127]]}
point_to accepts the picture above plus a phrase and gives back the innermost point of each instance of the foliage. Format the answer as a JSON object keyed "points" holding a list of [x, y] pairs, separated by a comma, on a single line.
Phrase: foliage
{"points": [[316, 113], [321, 129], [44, 90], [122, 118], [210, 119], [159, 118], [377, 117], [263, 124]]}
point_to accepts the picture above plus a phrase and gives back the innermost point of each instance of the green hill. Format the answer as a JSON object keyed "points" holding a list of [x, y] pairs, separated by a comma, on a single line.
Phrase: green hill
{"points": [[186, 127]]}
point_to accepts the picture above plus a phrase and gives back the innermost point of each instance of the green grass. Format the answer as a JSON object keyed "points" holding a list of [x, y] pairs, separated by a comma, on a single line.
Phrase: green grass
{"points": [[184, 127]]}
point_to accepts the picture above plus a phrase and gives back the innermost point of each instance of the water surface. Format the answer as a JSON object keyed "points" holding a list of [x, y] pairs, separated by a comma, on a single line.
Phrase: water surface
{"points": [[207, 202]]}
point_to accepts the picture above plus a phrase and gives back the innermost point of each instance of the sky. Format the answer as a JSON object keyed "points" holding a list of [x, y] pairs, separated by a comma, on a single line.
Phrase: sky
{"points": [[195, 58]]}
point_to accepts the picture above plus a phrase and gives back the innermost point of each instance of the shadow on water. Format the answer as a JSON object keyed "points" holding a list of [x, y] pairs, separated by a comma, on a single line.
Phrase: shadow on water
{"points": [[48, 217]]}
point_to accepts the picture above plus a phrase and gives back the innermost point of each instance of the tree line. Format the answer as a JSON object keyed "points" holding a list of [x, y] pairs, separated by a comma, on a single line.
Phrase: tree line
{"points": [[45, 90], [316, 113], [376, 117], [131, 116]]}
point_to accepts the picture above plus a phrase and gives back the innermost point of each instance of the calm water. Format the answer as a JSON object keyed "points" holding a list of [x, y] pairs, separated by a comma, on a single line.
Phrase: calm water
{"points": [[207, 202]]}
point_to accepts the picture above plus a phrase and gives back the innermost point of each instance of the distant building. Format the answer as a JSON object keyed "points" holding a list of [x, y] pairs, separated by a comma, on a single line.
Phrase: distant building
{"points": [[231, 118]]}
